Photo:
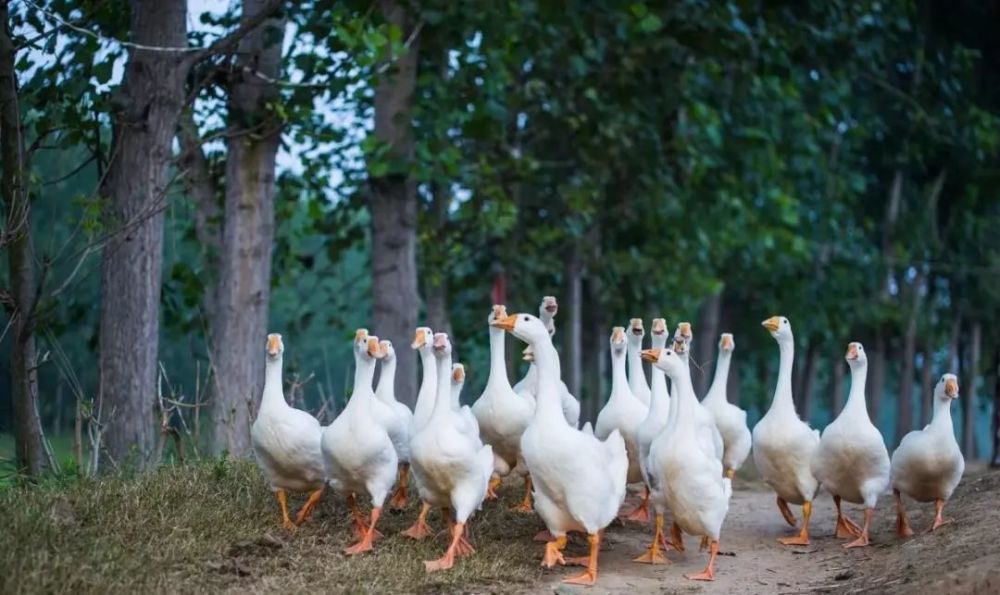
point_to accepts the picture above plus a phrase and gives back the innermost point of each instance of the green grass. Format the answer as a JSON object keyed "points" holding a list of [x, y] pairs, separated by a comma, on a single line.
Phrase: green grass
{"points": [[214, 526]]}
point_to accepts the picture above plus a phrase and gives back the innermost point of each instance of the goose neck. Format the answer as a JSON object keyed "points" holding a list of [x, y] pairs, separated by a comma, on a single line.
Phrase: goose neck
{"points": [[498, 362], [721, 376], [364, 373], [856, 398], [443, 398], [941, 415], [273, 392], [386, 389], [548, 401], [783, 390], [619, 380]]}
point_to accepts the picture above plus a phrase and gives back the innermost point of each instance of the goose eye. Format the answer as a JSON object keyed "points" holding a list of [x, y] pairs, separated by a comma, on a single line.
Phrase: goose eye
{"points": [[525, 319]]}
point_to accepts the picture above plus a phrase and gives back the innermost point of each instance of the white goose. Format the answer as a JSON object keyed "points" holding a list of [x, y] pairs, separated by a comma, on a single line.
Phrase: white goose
{"points": [[729, 419], [928, 463], [452, 466], [286, 441], [687, 471], [579, 480], [783, 444], [502, 413], [422, 338], [357, 449], [399, 427], [852, 462], [528, 386], [636, 376], [682, 347], [656, 417], [623, 411]]}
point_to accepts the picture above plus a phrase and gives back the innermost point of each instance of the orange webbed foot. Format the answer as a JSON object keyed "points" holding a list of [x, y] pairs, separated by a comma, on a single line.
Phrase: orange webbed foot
{"points": [[589, 577], [553, 552], [705, 575], [847, 528], [859, 542], [653, 555], [794, 540], [492, 487], [443, 563]]}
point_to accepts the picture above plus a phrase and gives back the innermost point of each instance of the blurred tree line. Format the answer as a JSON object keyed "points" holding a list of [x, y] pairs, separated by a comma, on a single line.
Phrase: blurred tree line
{"points": [[179, 181]]}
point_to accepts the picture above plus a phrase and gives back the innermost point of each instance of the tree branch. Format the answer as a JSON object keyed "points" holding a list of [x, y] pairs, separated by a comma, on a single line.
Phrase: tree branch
{"points": [[228, 42]]}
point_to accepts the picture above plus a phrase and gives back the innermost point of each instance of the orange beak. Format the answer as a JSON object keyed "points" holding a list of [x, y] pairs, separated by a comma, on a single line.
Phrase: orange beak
{"points": [[458, 374], [659, 326], [635, 325], [273, 345], [685, 329], [506, 323], [419, 339], [650, 355], [951, 388], [772, 324], [373, 348], [852, 352], [727, 342], [440, 340], [617, 334], [361, 334], [499, 311]]}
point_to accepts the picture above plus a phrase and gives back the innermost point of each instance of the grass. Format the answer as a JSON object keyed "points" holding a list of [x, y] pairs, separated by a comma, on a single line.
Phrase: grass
{"points": [[215, 526]]}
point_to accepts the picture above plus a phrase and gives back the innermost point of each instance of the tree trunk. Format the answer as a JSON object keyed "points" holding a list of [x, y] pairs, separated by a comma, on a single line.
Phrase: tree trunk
{"points": [[995, 461], [926, 384], [201, 188], [807, 377], [969, 390], [436, 276], [393, 207], [574, 340], [30, 453], [144, 122], [877, 384], [705, 348], [244, 281], [837, 384], [904, 412]]}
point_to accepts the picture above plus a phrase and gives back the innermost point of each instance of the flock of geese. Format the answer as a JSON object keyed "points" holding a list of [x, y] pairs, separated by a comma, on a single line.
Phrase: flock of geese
{"points": [[683, 451]]}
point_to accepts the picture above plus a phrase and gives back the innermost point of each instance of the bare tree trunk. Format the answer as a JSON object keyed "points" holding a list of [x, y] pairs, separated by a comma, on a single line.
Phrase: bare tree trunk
{"points": [[574, 339], [705, 347], [30, 452], [436, 289], [904, 412], [969, 390], [926, 384], [244, 286], [807, 377], [837, 384], [995, 461]]}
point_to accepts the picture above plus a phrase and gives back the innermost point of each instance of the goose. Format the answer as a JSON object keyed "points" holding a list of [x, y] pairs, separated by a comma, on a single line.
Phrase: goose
{"points": [[783, 444], [729, 419], [452, 467], [357, 449], [468, 423], [852, 462], [579, 480], [688, 473], [928, 464], [682, 347], [527, 387], [656, 418], [502, 413], [399, 427], [422, 338], [623, 411], [636, 376], [286, 441]]}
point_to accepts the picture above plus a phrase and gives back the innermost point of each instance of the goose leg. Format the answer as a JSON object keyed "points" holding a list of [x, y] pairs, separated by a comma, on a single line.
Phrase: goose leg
{"points": [[553, 552], [676, 540], [786, 512], [862, 539], [286, 521], [589, 576], [525, 505], [709, 573], [845, 526], [420, 529], [398, 501], [641, 512], [464, 547], [491, 488], [306, 511], [543, 535], [938, 519], [803, 537], [730, 473], [448, 559], [653, 554], [365, 545], [902, 523]]}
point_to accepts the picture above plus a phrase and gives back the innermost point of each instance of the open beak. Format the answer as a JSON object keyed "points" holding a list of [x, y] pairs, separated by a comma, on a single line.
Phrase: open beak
{"points": [[951, 388], [727, 342], [506, 323], [419, 339], [636, 326], [771, 324], [440, 341], [273, 345], [659, 326], [551, 305], [650, 355], [684, 328], [852, 352], [373, 348]]}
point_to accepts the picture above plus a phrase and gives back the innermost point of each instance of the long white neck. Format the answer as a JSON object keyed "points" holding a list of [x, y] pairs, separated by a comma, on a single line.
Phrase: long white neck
{"points": [[548, 398], [364, 373], [498, 363], [636, 375], [941, 417], [386, 390], [443, 399], [685, 401], [717, 392], [856, 398], [619, 381], [783, 390], [659, 396], [428, 386], [274, 395]]}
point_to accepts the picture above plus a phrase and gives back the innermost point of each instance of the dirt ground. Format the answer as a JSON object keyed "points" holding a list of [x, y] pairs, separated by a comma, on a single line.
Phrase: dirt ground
{"points": [[961, 557]]}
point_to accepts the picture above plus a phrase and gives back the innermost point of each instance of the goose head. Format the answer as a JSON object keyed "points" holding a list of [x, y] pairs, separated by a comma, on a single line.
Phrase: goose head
{"points": [[726, 343], [946, 388], [274, 346], [635, 332], [779, 327], [457, 374], [547, 311], [388, 353], [442, 346], [680, 348], [367, 346], [658, 332], [856, 357], [665, 359], [617, 340], [498, 312], [683, 333], [422, 339], [525, 327]]}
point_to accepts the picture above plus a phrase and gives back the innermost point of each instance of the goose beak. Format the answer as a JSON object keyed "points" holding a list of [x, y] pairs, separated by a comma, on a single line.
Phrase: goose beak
{"points": [[650, 355], [440, 341], [951, 388], [419, 339], [617, 334], [852, 352], [373, 348], [679, 347], [458, 374], [636, 326], [684, 328], [726, 344], [499, 311], [550, 304], [361, 335], [273, 345], [771, 324], [506, 323], [659, 326]]}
